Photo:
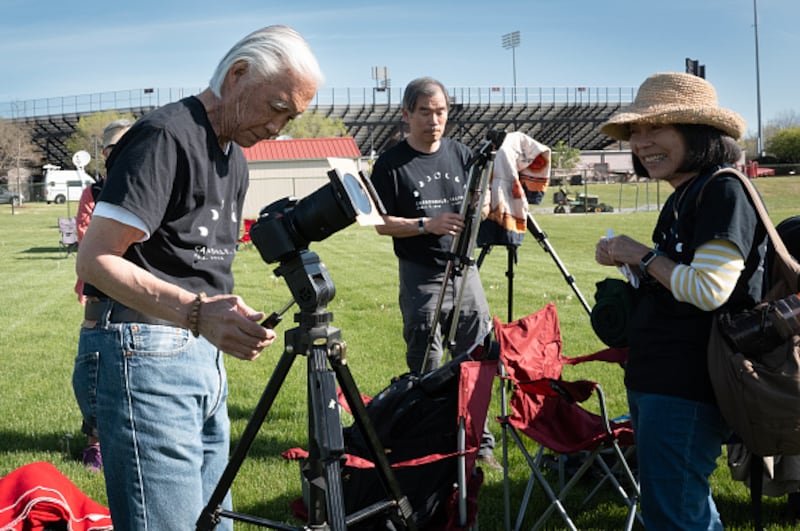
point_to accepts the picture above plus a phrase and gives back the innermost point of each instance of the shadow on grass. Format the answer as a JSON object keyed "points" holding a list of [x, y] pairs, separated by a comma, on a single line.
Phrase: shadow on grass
{"points": [[278, 509], [69, 444], [736, 512], [44, 252], [605, 511]]}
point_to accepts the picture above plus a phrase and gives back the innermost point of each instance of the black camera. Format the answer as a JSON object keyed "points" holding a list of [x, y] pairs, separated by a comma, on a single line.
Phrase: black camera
{"points": [[286, 227], [763, 328]]}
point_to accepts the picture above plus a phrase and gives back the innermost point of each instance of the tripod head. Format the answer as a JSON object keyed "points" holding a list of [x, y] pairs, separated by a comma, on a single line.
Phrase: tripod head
{"points": [[483, 154], [479, 169]]}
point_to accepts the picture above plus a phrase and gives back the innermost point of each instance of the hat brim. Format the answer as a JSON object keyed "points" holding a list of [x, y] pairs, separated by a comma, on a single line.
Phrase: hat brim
{"points": [[729, 122]]}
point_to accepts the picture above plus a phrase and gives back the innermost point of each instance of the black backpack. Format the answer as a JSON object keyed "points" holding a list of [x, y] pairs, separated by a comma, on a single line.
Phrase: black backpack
{"points": [[414, 417]]}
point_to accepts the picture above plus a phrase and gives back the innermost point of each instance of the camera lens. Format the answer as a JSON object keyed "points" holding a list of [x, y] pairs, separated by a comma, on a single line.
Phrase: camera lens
{"points": [[317, 216]]}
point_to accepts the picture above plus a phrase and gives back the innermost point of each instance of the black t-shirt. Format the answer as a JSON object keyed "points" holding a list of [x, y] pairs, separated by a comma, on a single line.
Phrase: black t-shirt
{"points": [[412, 184], [170, 171], [669, 339]]}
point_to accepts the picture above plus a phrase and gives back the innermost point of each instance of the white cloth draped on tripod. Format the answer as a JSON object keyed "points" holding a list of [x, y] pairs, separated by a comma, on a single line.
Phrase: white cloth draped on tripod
{"points": [[520, 157]]}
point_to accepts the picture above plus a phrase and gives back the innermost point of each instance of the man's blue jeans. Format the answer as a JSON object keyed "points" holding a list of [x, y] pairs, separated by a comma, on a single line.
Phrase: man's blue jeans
{"points": [[162, 420], [678, 442]]}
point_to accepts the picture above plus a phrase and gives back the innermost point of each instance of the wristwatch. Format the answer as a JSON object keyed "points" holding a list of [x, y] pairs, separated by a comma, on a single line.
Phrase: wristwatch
{"points": [[421, 226], [646, 261]]}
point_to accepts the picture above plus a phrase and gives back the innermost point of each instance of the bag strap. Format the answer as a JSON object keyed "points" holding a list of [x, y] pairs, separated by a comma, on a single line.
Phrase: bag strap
{"points": [[790, 269]]}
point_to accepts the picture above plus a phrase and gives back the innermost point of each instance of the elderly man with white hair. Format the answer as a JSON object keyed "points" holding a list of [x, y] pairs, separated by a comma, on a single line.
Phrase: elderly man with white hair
{"points": [[156, 261]]}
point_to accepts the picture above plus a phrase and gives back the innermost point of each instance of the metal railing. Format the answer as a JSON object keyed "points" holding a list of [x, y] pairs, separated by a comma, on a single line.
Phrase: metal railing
{"points": [[326, 97]]}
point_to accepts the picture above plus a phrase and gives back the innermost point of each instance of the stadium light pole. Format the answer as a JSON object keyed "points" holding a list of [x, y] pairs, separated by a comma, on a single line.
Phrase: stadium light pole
{"points": [[760, 145], [511, 40]]}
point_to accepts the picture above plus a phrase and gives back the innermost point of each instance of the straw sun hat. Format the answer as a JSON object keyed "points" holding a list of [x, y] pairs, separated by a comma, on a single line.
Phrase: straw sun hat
{"points": [[674, 98]]}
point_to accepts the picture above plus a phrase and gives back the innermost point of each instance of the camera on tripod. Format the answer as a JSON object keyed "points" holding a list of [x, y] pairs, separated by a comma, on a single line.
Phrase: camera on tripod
{"points": [[764, 327], [286, 227]]}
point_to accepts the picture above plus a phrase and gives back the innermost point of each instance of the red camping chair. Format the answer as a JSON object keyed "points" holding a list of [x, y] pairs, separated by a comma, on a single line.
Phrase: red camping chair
{"points": [[418, 471], [546, 409], [245, 238]]}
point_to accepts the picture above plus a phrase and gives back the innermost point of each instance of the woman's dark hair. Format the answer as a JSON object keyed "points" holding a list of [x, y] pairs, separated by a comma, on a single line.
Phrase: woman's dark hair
{"points": [[706, 147]]}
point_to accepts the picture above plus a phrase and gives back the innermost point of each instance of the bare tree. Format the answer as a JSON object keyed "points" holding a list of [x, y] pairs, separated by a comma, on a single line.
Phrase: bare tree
{"points": [[17, 149], [785, 120]]}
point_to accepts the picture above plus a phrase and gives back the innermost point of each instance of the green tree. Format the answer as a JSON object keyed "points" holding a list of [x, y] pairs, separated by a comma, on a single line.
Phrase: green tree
{"points": [[783, 120], [785, 145], [314, 125], [563, 157], [88, 136]]}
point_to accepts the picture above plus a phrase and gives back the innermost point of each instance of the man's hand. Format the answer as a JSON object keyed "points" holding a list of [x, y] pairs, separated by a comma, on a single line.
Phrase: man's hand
{"points": [[450, 223], [233, 327]]}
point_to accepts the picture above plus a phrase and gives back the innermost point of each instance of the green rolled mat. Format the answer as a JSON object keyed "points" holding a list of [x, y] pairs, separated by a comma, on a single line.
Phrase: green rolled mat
{"points": [[614, 302]]}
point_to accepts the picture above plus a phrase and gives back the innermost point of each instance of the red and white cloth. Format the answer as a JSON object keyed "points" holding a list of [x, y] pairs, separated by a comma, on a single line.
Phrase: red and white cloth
{"points": [[37, 495], [520, 161]]}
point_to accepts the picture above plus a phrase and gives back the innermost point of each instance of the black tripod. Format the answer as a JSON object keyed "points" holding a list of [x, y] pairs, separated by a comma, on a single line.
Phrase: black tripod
{"points": [[541, 238], [321, 343], [460, 259]]}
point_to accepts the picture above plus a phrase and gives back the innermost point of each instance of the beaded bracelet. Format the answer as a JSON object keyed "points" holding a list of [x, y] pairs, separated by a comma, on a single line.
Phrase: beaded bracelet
{"points": [[194, 314]]}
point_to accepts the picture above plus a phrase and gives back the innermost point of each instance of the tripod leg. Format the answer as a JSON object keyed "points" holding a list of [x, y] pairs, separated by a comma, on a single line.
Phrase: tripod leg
{"points": [[210, 516], [482, 256], [541, 237], [326, 444], [448, 272], [512, 259], [361, 417]]}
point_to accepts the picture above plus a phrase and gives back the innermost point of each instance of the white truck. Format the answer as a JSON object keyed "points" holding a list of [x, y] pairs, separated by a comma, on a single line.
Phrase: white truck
{"points": [[64, 185]]}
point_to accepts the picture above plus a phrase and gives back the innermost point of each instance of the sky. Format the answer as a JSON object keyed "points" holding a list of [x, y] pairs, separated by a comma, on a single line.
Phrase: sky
{"points": [[52, 48]]}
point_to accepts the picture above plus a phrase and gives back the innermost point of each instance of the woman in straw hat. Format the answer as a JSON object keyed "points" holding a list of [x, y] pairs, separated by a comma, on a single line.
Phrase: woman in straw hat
{"points": [[707, 248]]}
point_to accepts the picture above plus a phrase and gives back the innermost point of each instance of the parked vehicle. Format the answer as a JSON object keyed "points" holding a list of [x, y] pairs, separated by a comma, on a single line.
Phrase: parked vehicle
{"points": [[9, 197], [580, 203], [62, 185]]}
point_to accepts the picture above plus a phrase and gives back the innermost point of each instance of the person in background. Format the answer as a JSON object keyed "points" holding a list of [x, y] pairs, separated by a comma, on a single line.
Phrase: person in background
{"points": [[111, 135], [90, 456], [707, 252], [422, 183], [156, 262]]}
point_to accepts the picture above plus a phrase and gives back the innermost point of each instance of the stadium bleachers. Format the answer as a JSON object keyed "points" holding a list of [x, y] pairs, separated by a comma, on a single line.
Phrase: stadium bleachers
{"points": [[372, 116]]}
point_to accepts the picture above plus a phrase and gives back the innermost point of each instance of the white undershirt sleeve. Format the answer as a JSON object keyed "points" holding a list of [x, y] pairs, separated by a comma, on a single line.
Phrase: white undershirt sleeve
{"points": [[117, 213]]}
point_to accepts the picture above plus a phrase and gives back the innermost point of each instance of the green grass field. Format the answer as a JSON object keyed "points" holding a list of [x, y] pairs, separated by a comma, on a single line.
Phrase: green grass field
{"points": [[40, 317]]}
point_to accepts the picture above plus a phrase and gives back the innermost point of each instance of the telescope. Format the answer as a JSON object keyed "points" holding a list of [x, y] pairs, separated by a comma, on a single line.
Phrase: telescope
{"points": [[282, 233]]}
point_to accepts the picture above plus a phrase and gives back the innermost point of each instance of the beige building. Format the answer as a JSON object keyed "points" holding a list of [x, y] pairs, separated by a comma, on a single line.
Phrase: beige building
{"points": [[293, 167]]}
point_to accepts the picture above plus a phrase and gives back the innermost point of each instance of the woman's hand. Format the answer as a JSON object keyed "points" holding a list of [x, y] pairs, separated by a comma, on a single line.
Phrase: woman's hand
{"points": [[619, 250]]}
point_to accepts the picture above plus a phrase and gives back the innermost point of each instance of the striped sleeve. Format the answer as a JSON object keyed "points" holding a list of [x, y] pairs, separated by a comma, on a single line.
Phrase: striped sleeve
{"points": [[711, 277]]}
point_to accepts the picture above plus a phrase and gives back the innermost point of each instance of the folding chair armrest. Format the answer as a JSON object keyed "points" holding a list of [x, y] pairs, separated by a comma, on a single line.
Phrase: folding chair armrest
{"points": [[577, 391], [601, 397]]}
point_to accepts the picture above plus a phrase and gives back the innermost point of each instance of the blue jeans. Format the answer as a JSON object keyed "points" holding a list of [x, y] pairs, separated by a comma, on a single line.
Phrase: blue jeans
{"points": [[84, 378], [678, 442], [420, 288], [162, 419]]}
